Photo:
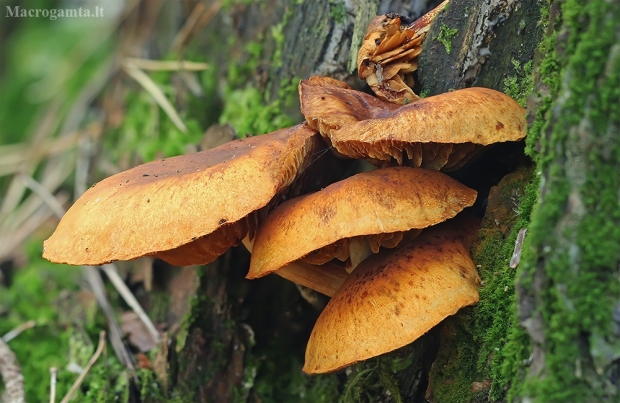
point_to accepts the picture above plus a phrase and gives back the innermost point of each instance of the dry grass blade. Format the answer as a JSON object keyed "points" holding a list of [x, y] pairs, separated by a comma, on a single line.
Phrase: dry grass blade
{"points": [[121, 287], [116, 337], [9, 240], [91, 362], [48, 121], [184, 33], [45, 195], [198, 18], [16, 332], [166, 65], [151, 87], [11, 375], [13, 156], [53, 176]]}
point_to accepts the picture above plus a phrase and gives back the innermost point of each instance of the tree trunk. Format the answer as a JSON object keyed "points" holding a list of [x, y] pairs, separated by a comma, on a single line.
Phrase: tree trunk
{"points": [[246, 339]]}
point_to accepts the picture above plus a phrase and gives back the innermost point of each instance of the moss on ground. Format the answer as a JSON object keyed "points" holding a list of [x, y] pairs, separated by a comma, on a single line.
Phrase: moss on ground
{"points": [[66, 331]]}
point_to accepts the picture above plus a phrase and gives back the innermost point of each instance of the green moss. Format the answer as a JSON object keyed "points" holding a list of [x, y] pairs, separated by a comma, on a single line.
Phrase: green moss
{"points": [[337, 11], [65, 332], [249, 114], [454, 370], [519, 85], [247, 108], [445, 36], [574, 242], [494, 315]]}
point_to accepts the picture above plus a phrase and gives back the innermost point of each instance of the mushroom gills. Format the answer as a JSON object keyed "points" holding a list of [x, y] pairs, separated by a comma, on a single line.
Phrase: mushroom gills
{"points": [[352, 251]]}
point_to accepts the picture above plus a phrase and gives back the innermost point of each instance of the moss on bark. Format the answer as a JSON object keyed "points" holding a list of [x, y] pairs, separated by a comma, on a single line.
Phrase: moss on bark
{"points": [[568, 283]]}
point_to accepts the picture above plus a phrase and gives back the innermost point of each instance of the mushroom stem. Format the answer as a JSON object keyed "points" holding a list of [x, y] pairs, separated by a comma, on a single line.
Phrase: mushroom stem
{"points": [[359, 249], [325, 279]]}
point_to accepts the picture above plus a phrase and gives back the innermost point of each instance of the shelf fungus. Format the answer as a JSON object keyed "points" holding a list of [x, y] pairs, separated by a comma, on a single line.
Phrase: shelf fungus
{"points": [[351, 219], [179, 209], [395, 297], [440, 132], [389, 54]]}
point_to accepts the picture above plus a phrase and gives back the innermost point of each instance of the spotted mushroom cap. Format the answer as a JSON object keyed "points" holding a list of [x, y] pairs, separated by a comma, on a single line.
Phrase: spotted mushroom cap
{"points": [[381, 201], [393, 298], [187, 209], [439, 132]]}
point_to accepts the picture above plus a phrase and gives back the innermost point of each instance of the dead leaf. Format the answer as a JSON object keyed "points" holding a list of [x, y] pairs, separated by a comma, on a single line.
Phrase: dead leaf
{"points": [[138, 335]]}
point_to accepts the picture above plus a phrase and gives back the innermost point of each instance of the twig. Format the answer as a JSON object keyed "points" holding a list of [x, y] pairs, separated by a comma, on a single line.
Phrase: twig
{"points": [[11, 375], [91, 362], [156, 92], [53, 374], [516, 255], [15, 332], [121, 287], [167, 65]]}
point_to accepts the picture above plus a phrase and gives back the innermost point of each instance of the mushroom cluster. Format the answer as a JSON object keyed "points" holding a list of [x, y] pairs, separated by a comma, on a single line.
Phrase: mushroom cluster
{"points": [[386, 245]]}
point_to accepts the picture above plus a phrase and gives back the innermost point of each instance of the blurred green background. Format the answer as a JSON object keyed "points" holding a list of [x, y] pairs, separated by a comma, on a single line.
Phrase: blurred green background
{"points": [[82, 99]]}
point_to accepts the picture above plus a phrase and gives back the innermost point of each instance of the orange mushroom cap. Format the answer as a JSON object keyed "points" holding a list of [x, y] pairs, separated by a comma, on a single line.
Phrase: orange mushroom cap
{"points": [[439, 132], [186, 210], [393, 298], [381, 201]]}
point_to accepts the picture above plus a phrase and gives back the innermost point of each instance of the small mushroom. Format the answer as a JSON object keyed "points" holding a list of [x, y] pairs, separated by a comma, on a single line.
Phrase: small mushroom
{"points": [[185, 210], [395, 297], [389, 54], [384, 201], [440, 132]]}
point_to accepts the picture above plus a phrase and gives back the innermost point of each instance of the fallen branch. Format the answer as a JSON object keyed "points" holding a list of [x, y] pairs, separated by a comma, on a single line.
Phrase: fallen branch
{"points": [[11, 375]]}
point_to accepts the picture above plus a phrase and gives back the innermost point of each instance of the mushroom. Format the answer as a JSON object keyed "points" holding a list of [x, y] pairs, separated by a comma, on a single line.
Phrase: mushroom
{"points": [[440, 132], [185, 210], [395, 297], [385, 201], [389, 54]]}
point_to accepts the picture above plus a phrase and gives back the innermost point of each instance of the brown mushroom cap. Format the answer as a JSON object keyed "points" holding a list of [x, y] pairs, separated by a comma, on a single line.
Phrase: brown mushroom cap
{"points": [[439, 132], [393, 298], [382, 201], [185, 210]]}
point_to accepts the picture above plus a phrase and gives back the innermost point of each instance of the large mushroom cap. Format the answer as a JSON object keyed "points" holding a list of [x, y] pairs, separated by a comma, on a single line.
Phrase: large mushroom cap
{"points": [[439, 132], [391, 299], [382, 201], [185, 210]]}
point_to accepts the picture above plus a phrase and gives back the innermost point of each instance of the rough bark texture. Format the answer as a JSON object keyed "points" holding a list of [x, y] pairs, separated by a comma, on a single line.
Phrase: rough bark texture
{"points": [[246, 339], [11, 376], [569, 286]]}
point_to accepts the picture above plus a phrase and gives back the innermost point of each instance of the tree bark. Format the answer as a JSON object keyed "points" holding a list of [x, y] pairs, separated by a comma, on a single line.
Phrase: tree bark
{"points": [[569, 287]]}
